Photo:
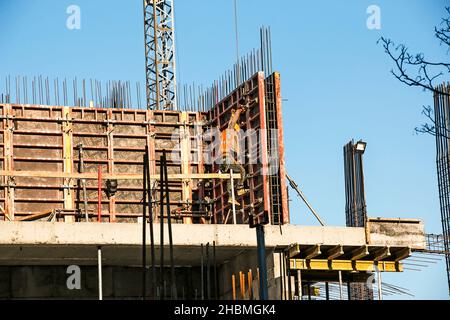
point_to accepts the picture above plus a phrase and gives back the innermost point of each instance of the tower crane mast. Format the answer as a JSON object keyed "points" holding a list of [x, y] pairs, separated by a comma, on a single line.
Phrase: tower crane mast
{"points": [[160, 62]]}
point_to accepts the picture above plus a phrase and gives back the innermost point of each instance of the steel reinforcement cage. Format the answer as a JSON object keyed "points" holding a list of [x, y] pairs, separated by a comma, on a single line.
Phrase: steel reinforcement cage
{"points": [[41, 168], [442, 127]]}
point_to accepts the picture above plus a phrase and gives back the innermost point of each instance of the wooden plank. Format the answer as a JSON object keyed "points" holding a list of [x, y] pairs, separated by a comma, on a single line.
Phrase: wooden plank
{"points": [[263, 146], [67, 132], [185, 164], [110, 132], [8, 162], [93, 176], [35, 216], [281, 156]]}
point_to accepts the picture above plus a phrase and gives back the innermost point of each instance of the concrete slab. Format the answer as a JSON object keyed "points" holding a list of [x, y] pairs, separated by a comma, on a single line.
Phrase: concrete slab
{"points": [[46, 243]]}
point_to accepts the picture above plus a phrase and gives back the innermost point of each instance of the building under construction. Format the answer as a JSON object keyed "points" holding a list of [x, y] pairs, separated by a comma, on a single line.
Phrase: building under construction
{"points": [[184, 199]]}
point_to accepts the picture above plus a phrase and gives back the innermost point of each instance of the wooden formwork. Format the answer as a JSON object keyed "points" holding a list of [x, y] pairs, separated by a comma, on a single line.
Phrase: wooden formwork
{"points": [[40, 147], [40, 163]]}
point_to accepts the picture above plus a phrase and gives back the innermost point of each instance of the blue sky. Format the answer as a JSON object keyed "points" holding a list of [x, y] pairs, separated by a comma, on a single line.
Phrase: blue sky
{"points": [[334, 76]]}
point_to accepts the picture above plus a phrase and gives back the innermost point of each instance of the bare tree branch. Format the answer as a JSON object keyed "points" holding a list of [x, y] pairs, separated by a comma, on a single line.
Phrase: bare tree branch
{"points": [[415, 71], [425, 77], [443, 34], [430, 128], [426, 72]]}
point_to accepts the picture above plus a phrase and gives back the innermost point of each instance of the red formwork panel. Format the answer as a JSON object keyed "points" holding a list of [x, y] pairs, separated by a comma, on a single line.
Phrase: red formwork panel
{"points": [[256, 202], [266, 200], [278, 186]]}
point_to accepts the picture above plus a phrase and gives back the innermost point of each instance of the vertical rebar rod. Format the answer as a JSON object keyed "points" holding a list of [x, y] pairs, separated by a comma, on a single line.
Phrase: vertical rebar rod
{"points": [[144, 226], [201, 273], [161, 223], [169, 226], [99, 205], [83, 183], [280, 258], [150, 217]]}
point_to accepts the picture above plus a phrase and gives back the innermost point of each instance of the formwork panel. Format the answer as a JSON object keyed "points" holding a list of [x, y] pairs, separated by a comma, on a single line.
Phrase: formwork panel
{"points": [[41, 168], [255, 204]]}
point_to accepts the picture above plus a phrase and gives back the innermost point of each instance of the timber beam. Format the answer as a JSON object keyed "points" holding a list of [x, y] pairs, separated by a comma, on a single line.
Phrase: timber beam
{"points": [[313, 252], [94, 176], [381, 254], [335, 252], [294, 250], [403, 254], [359, 253]]}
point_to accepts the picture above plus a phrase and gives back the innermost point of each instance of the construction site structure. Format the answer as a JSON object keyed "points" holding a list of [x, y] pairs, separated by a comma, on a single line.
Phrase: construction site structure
{"points": [[50, 218], [86, 187]]}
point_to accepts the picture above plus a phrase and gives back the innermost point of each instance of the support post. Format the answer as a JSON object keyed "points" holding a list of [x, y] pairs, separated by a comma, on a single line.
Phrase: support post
{"points": [[233, 287], [202, 288], [100, 280], [340, 285], [380, 291], [349, 291], [250, 284], [300, 287], [233, 205], [309, 291], [264, 291], [288, 275], [208, 273], [242, 284], [216, 287]]}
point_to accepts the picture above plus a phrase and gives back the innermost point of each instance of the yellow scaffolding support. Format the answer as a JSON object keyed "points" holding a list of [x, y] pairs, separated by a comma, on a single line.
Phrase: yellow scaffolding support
{"points": [[346, 265]]}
